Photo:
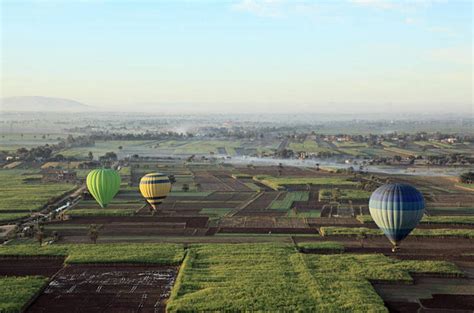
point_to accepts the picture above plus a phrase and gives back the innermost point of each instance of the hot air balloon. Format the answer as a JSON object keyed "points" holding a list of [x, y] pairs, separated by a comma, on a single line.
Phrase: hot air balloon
{"points": [[103, 184], [154, 188], [396, 209]]}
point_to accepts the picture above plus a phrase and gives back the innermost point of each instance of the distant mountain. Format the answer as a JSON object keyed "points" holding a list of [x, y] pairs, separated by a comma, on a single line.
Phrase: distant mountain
{"points": [[41, 104]]}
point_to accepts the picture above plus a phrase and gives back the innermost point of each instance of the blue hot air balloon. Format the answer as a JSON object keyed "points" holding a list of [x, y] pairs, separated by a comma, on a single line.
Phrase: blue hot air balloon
{"points": [[396, 209]]}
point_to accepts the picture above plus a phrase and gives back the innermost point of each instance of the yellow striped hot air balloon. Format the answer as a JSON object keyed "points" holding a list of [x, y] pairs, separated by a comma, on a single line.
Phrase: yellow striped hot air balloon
{"points": [[154, 188]]}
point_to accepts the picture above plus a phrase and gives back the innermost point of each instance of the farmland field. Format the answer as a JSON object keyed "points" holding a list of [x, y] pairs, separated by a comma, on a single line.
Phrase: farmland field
{"points": [[259, 274], [250, 232], [21, 192]]}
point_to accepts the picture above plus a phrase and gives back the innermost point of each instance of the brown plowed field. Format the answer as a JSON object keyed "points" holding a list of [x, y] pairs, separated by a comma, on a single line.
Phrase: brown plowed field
{"points": [[13, 266], [261, 203], [197, 221], [84, 288]]}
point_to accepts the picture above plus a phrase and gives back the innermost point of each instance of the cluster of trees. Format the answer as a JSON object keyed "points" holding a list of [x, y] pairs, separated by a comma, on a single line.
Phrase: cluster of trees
{"points": [[467, 178], [47, 151], [169, 135]]}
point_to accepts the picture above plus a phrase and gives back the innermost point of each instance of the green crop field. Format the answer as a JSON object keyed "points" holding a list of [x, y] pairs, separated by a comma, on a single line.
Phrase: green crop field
{"points": [[12, 216], [102, 147], [278, 182], [12, 142], [303, 214], [287, 202], [100, 212], [309, 146], [345, 194], [321, 245], [20, 195], [206, 147], [215, 212], [449, 219], [16, 291], [354, 231], [273, 277], [164, 254]]}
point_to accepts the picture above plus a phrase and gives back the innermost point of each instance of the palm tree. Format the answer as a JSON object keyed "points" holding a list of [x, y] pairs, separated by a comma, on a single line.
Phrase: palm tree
{"points": [[39, 235], [93, 233]]}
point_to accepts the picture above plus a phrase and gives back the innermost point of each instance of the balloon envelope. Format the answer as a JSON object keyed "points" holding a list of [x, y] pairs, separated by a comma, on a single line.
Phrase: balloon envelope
{"points": [[396, 209], [154, 188], [103, 184]]}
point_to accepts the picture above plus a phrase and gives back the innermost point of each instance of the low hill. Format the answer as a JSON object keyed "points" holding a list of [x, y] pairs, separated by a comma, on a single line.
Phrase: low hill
{"points": [[41, 104]]}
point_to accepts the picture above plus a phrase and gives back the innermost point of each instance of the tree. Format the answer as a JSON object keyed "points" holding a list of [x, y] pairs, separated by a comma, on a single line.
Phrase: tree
{"points": [[466, 178], [39, 235], [361, 237], [90, 156], [172, 179], [55, 236], [335, 194], [120, 147], [93, 233], [185, 187]]}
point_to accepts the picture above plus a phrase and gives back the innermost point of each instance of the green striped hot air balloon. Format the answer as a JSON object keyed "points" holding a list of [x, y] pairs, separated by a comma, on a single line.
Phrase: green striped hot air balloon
{"points": [[396, 209], [103, 184]]}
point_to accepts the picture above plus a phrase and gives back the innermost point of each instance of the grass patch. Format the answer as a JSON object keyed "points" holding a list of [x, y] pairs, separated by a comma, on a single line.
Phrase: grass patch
{"points": [[274, 277], [354, 231], [252, 186], [16, 291], [469, 186], [287, 202], [304, 214], [100, 212], [452, 219], [321, 245], [344, 194], [277, 183], [215, 212], [12, 216], [164, 254], [21, 190], [189, 193]]}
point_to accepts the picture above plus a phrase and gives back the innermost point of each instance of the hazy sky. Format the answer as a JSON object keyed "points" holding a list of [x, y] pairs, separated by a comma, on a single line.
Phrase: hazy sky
{"points": [[355, 56]]}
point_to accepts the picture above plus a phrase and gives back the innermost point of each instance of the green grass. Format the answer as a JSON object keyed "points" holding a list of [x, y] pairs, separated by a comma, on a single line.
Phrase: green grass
{"points": [[276, 278], [102, 147], [340, 267], [309, 146], [345, 194], [16, 291], [253, 186], [100, 212], [215, 212], [276, 183], [287, 202], [189, 193], [354, 231], [207, 146], [321, 245], [18, 195], [304, 214], [350, 144], [164, 254], [450, 219], [12, 216], [470, 186], [402, 152]]}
